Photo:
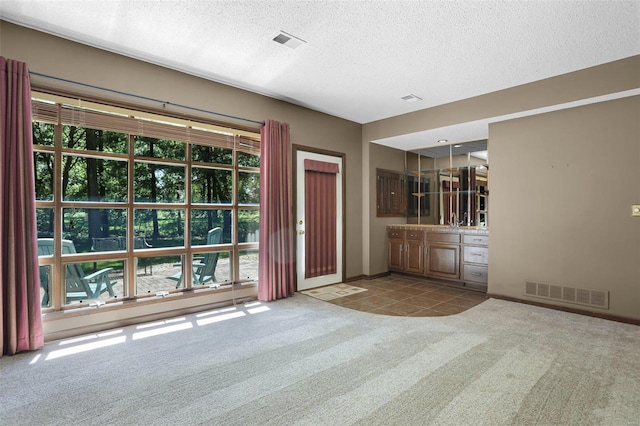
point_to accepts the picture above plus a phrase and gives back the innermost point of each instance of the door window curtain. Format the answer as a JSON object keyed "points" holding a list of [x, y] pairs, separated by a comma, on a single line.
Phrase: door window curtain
{"points": [[275, 276], [20, 321], [320, 213]]}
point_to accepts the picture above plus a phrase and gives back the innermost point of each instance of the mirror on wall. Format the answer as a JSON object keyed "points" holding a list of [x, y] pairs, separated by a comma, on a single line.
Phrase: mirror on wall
{"points": [[448, 185]]}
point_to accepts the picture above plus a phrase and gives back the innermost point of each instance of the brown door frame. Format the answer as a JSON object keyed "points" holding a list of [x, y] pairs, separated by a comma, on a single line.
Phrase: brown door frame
{"points": [[295, 149]]}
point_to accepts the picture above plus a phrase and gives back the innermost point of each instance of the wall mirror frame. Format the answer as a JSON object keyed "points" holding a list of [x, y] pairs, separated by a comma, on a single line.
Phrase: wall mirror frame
{"points": [[448, 185]]}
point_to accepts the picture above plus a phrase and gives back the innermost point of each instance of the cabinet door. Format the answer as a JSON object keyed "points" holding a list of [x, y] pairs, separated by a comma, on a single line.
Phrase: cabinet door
{"points": [[443, 261], [415, 257], [391, 193], [395, 249]]}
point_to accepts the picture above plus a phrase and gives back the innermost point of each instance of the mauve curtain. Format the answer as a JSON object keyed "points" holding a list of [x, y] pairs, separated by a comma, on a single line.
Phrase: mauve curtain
{"points": [[20, 321], [275, 276], [320, 212]]}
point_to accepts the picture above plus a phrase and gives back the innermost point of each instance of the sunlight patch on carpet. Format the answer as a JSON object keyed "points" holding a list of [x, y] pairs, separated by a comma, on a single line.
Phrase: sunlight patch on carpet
{"points": [[334, 291]]}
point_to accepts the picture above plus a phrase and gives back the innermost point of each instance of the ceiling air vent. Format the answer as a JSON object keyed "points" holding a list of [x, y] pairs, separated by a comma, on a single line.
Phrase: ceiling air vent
{"points": [[411, 98], [288, 40]]}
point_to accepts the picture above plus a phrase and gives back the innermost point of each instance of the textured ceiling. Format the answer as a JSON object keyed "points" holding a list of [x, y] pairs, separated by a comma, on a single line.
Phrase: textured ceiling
{"points": [[360, 57]]}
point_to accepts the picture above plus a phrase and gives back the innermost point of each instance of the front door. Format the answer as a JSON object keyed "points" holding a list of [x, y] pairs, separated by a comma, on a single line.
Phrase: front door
{"points": [[319, 216]]}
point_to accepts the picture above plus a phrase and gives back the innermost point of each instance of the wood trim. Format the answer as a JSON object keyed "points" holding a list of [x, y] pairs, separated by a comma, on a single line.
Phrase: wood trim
{"points": [[567, 309], [294, 152], [367, 277]]}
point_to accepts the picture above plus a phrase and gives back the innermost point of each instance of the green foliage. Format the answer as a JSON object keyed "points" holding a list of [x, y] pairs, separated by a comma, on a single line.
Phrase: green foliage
{"points": [[211, 155], [248, 160]]}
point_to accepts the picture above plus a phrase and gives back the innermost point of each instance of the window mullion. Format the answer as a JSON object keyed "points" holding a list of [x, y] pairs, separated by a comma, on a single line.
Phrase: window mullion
{"points": [[131, 260], [235, 255], [187, 270], [56, 283]]}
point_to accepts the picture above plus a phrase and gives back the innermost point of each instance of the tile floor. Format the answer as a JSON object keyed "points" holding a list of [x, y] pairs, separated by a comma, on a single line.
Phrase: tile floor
{"points": [[402, 296]]}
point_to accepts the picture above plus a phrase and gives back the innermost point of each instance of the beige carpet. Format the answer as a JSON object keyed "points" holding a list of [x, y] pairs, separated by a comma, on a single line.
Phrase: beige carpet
{"points": [[334, 291], [301, 361]]}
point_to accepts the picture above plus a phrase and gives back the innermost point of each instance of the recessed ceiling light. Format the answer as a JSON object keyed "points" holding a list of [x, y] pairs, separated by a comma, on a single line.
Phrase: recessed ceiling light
{"points": [[442, 141], [411, 98], [288, 40], [457, 146]]}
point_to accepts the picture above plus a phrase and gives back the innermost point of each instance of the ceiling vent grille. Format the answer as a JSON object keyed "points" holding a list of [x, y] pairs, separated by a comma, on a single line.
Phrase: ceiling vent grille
{"points": [[580, 296], [411, 98], [288, 40]]}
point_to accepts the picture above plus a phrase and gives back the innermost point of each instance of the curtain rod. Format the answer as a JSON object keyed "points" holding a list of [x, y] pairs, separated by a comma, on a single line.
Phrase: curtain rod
{"points": [[164, 103]]}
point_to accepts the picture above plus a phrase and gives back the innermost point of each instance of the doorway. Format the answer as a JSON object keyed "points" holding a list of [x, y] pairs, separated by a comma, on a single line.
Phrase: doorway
{"points": [[319, 217]]}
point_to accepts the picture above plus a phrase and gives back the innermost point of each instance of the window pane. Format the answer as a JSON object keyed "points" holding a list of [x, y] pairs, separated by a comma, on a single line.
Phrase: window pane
{"points": [[248, 225], [224, 268], [161, 227], [95, 229], [43, 133], [44, 222], [91, 179], [204, 220], [248, 188], [94, 139], [45, 283], [248, 265], [91, 281], [248, 160], [157, 273], [210, 268], [157, 183], [158, 148], [212, 186], [43, 165], [210, 154]]}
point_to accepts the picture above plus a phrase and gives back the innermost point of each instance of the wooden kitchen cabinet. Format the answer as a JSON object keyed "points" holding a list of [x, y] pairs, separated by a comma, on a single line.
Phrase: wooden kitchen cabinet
{"points": [[391, 193], [395, 249], [414, 252], [475, 260], [457, 255], [406, 251], [443, 255]]}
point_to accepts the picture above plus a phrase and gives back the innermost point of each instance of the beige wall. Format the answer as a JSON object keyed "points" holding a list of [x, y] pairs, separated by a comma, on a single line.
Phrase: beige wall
{"points": [[562, 185], [600, 80], [375, 252]]}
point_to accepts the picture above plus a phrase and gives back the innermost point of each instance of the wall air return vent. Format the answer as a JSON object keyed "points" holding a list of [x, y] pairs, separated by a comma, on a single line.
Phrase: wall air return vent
{"points": [[579, 296], [288, 40]]}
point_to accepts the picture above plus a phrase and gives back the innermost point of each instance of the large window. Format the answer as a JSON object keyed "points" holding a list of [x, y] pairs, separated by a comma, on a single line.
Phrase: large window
{"points": [[130, 207]]}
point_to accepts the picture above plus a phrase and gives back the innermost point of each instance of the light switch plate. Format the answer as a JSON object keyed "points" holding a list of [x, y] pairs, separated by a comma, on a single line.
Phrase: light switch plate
{"points": [[635, 210]]}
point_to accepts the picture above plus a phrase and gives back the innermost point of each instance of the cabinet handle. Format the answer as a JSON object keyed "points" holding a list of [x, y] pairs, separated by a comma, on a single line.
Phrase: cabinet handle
{"points": [[477, 274], [476, 254]]}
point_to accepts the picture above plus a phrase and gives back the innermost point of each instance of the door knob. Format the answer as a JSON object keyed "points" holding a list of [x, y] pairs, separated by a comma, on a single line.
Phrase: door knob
{"points": [[301, 232]]}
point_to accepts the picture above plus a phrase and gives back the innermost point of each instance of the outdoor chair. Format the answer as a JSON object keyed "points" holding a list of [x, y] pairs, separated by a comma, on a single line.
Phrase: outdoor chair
{"points": [[204, 269], [78, 286]]}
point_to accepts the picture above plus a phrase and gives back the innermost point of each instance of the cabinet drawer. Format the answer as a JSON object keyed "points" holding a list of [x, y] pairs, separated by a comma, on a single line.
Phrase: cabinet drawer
{"points": [[474, 273], [395, 233], [472, 254], [480, 240], [415, 235], [443, 237]]}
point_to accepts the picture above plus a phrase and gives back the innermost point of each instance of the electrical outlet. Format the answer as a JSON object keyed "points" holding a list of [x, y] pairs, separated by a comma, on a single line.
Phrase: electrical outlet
{"points": [[635, 210]]}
